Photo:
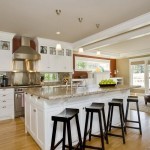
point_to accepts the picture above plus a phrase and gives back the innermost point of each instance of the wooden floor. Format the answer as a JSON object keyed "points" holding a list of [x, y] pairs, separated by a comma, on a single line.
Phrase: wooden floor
{"points": [[13, 137]]}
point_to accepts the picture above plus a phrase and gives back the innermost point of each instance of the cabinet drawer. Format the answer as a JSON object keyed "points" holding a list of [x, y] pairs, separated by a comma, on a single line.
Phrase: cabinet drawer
{"points": [[5, 95], [6, 111], [6, 91], [5, 102]]}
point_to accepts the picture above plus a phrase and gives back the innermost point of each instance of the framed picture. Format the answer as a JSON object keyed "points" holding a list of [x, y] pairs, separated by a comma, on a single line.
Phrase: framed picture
{"points": [[52, 50], [43, 49], [5, 45]]}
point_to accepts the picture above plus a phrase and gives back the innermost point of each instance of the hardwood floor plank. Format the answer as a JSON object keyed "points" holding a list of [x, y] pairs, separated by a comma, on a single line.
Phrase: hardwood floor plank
{"points": [[13, 137]]}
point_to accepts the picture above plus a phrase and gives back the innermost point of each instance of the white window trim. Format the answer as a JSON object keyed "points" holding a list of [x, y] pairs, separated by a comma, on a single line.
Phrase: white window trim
{"points": [[145, 59], [90, 59]]}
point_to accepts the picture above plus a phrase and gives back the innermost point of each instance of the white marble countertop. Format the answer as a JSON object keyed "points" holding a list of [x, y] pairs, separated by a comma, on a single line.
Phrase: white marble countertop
{"points": [[51, 93]]}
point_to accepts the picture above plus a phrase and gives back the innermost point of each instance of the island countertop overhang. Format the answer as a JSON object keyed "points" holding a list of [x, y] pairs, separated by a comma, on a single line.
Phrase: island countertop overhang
{"points": [[52, 93]]}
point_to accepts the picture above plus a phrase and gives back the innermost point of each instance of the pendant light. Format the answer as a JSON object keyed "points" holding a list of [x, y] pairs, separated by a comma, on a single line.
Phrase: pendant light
{"points": [[81, 48], [58, 45]]}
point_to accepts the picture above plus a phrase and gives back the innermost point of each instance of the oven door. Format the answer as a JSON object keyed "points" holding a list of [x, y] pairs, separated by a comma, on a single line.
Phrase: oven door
{"points": [[19, 104]]}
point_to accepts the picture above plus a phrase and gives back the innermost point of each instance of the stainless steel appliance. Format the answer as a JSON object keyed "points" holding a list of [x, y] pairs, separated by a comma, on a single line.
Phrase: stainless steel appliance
{"points": [[19, 99], [25, 51], [24, 73], [19, 102]]}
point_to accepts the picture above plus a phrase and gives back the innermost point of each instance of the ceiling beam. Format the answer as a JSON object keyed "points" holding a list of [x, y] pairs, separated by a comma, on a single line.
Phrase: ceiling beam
{"points": [[127, 26], [119, 38]]}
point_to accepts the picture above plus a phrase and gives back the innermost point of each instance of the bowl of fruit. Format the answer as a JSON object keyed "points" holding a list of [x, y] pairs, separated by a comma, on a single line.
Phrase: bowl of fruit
{"points": [[107, 83]]}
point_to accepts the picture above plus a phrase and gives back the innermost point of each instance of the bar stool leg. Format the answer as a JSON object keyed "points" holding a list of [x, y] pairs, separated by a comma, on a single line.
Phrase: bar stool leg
{"points": [[112, 110], [69, 135], [124, 120], [85, 130], [138, 113], [78, 130], [127, 108], [122, 127], [90, 131], [105, 127], [64, 136], [53, 135], [108, 119], [101, 130]]}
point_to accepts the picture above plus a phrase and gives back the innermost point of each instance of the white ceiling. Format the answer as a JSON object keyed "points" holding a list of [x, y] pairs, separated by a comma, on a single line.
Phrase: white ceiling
{"points": [[37, 18]]}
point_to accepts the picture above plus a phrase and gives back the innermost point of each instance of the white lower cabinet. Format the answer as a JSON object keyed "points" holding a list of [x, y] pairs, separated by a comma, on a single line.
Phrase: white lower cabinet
{"points": [[6, 104], [34, 119]]}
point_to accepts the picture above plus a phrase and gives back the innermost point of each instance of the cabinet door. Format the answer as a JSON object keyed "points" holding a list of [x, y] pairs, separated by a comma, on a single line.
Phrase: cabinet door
{"points": [[60, 64], [40, 126], [33, 121], [27, 111], [52, 63], [5, 60], [44, 63], [69, 63]]}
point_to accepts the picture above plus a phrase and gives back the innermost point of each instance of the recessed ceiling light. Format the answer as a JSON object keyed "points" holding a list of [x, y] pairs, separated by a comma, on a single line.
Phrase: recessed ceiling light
{"points": [[98, 52], [80, 50], [57, 32]]}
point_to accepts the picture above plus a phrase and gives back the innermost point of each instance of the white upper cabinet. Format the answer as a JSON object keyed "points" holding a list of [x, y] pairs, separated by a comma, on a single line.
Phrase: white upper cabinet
{"points": [[6, 51], [52, 60]]}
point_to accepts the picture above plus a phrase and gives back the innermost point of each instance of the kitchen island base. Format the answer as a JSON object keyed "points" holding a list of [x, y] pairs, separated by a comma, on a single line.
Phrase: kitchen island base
{"points": [[38, 112]]}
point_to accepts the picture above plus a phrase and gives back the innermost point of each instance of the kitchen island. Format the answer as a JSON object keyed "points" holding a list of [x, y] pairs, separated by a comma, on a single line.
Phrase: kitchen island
{"points": [[42, 103]]}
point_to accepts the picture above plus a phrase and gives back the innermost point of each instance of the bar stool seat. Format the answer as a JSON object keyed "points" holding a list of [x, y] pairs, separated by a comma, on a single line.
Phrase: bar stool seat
{"points": [[119, 103], [99, 109], [133, 99], [66, 116]]}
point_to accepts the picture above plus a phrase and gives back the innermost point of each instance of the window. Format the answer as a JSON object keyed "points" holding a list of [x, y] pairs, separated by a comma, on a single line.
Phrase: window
{"points": [[138, 74], [50, 77], [89, 64]]}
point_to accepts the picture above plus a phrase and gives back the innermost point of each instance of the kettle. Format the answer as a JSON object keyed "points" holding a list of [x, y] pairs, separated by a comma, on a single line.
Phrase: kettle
{"points": [[4, 81]]}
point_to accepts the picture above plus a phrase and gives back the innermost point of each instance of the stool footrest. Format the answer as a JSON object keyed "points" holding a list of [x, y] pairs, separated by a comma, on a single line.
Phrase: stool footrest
{"points": [[72, 147], [117, 127], [58, 143], [111, 134], [95, 135], [92, 147], [132, 121], [132, 127]]}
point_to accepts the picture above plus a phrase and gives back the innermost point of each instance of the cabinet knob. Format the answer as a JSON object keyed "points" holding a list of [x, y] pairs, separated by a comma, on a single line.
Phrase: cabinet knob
{"points": [[4, 101], [4, 107], [4, 95]]}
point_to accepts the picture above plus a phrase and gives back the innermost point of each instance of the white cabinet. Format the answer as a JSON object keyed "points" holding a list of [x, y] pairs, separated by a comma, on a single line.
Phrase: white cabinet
{"points": [[6, 51], [5, 60], [6, 104], [34, 119], [52, 60], [56, 63]]}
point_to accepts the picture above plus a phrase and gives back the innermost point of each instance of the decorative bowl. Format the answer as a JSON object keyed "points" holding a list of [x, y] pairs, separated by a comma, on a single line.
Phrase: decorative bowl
{"points": [[107, 85]]}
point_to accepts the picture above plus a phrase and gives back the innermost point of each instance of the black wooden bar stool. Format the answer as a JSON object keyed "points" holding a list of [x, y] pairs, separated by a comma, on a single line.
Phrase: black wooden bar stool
{"points": [[65, 117], [95, 108], [116, 103], [133, 99]]}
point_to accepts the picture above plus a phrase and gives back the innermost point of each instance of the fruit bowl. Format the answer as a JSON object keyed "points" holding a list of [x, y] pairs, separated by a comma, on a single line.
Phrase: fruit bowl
{"points": [[107, 85]]}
